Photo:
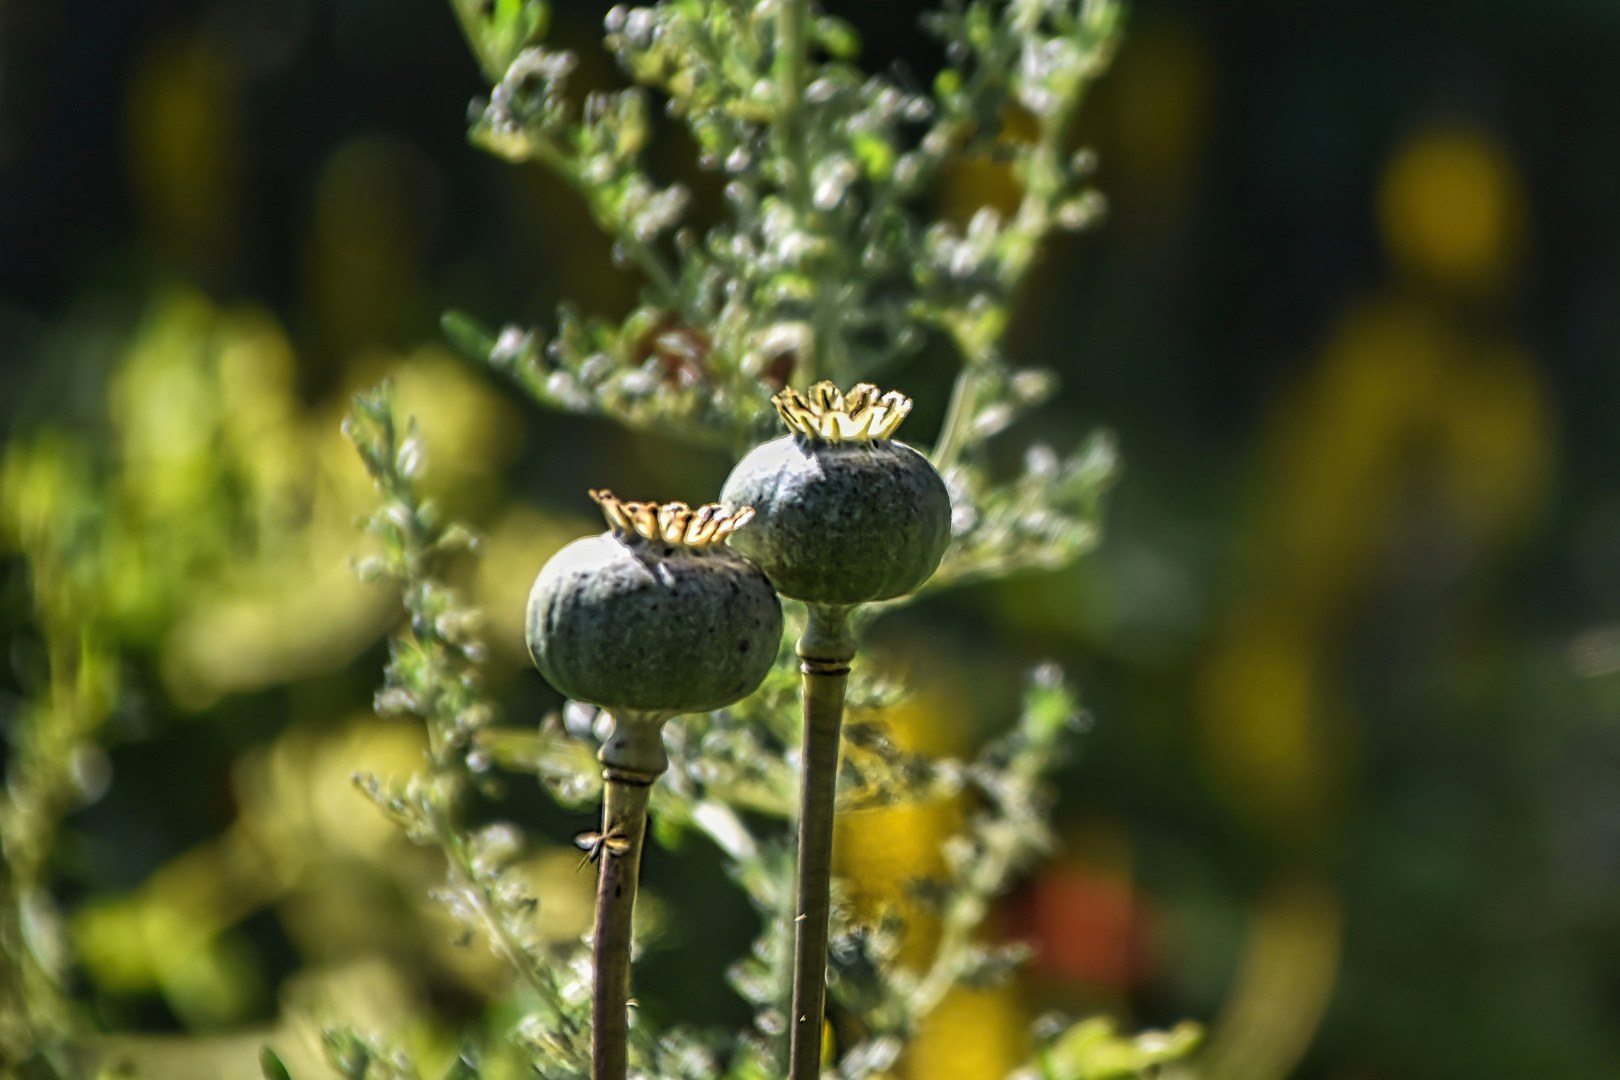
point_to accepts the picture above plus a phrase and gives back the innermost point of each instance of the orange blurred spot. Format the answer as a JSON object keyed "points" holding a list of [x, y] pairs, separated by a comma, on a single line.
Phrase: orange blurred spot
{"points": [[1087, 927]]}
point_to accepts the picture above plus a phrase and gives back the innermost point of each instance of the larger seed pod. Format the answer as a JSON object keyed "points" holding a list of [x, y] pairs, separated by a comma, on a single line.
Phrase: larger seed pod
{"points": [[845, 514], [657, 615]]}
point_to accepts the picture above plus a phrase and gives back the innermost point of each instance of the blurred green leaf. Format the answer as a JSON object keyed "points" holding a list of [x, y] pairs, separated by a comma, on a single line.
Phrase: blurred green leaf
{"points": [[1093, 1049], [272, 1066], [470, 338]]}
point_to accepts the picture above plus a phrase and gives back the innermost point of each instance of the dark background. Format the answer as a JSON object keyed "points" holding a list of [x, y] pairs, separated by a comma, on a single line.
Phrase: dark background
{"points": [[1454, 786]]}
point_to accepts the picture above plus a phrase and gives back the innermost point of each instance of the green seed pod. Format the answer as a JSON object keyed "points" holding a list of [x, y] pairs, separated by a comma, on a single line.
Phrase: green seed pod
{"points": [[657, 616], [844, 514]]}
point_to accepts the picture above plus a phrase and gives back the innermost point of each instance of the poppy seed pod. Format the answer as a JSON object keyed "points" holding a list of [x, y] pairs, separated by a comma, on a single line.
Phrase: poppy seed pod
{"points": [[844, 514], [656, 616]]}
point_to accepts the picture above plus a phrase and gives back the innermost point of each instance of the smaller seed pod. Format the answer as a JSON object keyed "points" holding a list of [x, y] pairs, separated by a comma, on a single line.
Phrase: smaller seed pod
{"points": [[845, 514], [657, 615]]}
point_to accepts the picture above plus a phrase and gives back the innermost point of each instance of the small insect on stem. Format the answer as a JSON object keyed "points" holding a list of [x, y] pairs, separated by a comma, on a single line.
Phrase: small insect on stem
{"points": [[594, 843]]}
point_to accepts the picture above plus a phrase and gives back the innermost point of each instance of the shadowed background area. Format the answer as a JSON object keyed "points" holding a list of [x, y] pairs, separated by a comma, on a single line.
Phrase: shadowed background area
{"points": [[1351, 646]]}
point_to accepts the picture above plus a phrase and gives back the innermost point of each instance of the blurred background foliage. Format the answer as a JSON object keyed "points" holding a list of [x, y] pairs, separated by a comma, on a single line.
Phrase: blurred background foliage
{"points": [[1352, 642]]}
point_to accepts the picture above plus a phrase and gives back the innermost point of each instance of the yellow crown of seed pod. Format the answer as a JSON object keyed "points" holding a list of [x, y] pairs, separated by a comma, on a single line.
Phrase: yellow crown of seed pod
{"points": [[865, 414], [672, 522]]}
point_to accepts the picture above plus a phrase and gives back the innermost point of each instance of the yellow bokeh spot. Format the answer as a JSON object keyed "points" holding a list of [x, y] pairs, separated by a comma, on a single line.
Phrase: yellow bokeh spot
{"points": [[1271, 729], [1285, 979], [1451, 209], [515, 547], [373, 201], [1159, 106], [262, 417], [968, 184], [176, 935], [1497, 443], [298, 608], [1338, 451], [471, 430], [181, 126], [972, 1035], [879, 854], [297, 797], [165, 405]]}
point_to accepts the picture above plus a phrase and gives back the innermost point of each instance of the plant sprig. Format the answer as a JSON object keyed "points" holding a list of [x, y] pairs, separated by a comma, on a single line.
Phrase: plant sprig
{"points": [[434, 674], [834, 277], [47, 515], [823, 264]]}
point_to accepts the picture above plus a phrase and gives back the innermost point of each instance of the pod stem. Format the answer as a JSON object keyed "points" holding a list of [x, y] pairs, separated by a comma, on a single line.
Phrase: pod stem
{"points": [[825, 652], [632, 760]]}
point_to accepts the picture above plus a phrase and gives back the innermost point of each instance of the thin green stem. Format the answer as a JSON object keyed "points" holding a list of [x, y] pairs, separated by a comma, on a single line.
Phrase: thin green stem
{"points": [[443, 804], [632, 759], [505, 941], [962, 917], [825, 651], [1030, 228], [643, 254], [372, 429], [467, 16], [958, 415], [1042, 190], [792, 64], [624, 827], [662, 277]]}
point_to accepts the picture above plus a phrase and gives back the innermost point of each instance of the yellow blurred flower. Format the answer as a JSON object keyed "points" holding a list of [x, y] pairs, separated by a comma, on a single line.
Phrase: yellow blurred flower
{"points": [[1451, 208]]}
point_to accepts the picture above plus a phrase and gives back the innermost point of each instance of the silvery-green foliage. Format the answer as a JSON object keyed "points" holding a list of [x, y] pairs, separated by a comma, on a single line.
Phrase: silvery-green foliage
{"points": [[733, 760], [722, 765], [355, 1056], [434, 674], [823, 266], [1093, 1049]]}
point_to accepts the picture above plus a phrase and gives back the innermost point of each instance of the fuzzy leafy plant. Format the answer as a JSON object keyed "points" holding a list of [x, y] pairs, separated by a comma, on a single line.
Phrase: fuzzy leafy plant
{"points": [[824, 266], [726, 767]]}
